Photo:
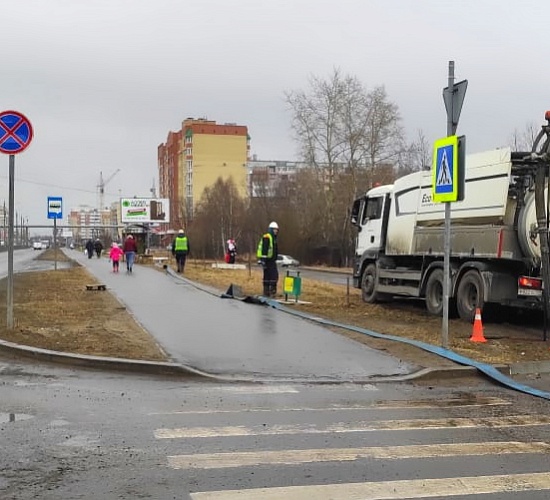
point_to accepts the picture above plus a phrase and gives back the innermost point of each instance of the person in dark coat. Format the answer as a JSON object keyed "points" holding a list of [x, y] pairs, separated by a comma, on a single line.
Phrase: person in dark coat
{"points": [[180, 249], [98, 247], [90, 248], [267, 254]]}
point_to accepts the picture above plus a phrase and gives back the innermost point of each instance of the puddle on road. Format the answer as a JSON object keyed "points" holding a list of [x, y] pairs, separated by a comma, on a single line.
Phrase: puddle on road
{"points": [[13, 417]]}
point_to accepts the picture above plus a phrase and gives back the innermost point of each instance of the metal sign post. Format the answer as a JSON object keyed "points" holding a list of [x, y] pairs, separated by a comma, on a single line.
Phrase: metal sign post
{"points": [[15, 135], [11, 176], [453, 97], [55, 211]]}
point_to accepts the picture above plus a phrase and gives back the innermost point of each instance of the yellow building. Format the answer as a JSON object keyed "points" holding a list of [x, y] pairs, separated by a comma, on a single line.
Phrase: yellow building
{"points": [[207, 151]]}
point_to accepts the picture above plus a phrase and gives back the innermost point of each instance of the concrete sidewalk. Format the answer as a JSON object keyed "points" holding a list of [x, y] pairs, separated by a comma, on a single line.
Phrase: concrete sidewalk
{"points": [[230, 338]]}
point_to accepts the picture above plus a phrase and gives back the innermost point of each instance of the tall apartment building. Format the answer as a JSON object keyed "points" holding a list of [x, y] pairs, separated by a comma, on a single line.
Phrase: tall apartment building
{"points": [[195, 157], [265, 177], [87, 223]]}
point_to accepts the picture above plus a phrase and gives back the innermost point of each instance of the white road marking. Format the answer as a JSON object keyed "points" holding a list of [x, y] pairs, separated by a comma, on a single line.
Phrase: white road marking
{"points": [[383, 405], [293, 457], [392, 490], [365, 426]]}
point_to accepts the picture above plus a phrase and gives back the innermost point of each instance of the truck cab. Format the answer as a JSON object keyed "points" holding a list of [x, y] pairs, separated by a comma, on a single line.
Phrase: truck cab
{"points": [[370, 216]]}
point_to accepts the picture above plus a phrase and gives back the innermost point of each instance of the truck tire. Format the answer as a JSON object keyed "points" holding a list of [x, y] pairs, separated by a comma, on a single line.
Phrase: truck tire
{"points": [[368, 284], [469, 295], [434, 292]]}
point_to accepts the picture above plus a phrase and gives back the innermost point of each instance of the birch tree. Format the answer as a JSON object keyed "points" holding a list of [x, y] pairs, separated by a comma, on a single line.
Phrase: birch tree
{"points": [[345, 132]]}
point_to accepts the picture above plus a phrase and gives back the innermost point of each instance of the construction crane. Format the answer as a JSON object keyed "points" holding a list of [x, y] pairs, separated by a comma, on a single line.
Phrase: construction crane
{"points": [[101, 188]]}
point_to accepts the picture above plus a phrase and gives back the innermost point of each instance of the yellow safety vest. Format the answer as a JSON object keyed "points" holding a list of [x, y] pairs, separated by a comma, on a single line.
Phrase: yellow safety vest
{"points": [[269, 250], [181, 244]]}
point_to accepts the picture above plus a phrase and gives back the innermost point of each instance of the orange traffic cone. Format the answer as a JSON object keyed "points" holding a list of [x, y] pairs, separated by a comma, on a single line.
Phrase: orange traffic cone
{"points": [[477, 331]]}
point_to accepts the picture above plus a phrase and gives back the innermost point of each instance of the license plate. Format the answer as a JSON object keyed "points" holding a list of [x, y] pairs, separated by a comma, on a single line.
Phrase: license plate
{"points": [[528, 292]]}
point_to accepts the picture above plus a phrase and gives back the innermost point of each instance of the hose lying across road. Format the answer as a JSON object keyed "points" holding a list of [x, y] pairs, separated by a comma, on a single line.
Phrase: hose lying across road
{"points": [[488, 370], [234, 293]]}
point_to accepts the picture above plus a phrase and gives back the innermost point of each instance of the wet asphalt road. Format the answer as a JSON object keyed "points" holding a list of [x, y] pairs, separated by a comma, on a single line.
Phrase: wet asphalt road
{"points": [[24, 261], [81, 434], [75, 433], [232, 338]]}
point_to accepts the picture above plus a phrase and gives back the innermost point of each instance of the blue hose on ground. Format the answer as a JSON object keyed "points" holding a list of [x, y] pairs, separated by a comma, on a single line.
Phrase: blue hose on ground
{"points": [[488, 370]]}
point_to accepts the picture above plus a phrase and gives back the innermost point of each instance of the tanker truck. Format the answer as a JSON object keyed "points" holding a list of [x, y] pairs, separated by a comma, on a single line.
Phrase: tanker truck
{"points": [[495, 246]]}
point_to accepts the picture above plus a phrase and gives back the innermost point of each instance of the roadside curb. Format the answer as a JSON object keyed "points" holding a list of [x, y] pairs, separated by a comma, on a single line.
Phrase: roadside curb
{"points": [[100, 362], [530, 367], [455, 372], [174, 369]]}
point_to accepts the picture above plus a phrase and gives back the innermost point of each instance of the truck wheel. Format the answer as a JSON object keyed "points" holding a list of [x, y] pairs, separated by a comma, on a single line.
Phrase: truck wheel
{"points": [[368, 284], [469, 295], [434, 293]]}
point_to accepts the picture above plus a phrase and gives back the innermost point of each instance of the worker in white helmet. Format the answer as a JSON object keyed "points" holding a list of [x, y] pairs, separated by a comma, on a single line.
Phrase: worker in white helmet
{"points": [[267, 254], [180, 249]]}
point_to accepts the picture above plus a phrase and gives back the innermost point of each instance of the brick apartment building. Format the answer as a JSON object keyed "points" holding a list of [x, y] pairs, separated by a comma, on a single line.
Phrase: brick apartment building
{"points": [[195, 157]]}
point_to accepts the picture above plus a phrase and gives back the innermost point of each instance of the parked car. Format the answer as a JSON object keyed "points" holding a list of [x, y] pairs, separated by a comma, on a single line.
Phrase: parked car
{"points": [[287, 261], [37, 245]]}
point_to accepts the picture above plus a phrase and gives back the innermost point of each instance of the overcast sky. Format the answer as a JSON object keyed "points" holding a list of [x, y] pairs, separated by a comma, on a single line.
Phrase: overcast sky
{"points": [[104, 81]]}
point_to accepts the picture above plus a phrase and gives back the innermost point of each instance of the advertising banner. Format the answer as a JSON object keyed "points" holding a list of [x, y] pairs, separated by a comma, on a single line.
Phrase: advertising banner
{"points": [[145, 210]]}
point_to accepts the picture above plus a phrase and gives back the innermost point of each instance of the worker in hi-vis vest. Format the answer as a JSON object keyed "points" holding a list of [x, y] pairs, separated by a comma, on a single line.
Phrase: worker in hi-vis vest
{"points": [[180, 249], [267, 254]]}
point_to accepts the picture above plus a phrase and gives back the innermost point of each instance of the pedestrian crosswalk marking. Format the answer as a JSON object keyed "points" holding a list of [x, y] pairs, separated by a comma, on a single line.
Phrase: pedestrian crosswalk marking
{"points": [[379, 405], [444, 177], [364, 426], [293, 457], [392, 490], [443, 403]]}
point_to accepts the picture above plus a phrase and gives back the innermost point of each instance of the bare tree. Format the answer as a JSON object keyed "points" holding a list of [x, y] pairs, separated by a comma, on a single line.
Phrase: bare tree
{"points": [[346, 133], [523, 141], [218, 216], [417, 156]]}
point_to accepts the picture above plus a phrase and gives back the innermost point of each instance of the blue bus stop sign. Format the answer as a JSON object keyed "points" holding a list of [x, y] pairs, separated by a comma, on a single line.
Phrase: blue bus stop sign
{"points": [[15, 132], [55, 207]]}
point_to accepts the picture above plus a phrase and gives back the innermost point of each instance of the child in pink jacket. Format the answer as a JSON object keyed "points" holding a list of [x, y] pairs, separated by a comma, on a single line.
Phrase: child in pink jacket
{"points": [[115, 254]]}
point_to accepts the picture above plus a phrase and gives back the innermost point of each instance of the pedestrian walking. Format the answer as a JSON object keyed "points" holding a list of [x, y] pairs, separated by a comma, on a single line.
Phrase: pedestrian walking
{"points": [[130, 249], [267, 254], [90, 249], [180, 249], [114, 255], [98, 247]]}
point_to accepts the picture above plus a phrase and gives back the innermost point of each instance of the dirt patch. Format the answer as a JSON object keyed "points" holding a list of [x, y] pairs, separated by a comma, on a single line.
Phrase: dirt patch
{"points": [[53, 310]]}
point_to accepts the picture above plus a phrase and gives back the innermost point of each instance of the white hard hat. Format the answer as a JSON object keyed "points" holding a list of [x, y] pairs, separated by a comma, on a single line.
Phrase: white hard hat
{"points": [[180, 231], [273, 225]]}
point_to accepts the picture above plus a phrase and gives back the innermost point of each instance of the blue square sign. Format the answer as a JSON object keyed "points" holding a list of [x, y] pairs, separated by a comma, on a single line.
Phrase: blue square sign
{"points": [[55, 207], [445, 170]]}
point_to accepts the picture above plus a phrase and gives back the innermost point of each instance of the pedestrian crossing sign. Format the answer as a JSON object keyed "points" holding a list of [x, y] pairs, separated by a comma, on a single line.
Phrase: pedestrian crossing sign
{"points": [[446, 171]]}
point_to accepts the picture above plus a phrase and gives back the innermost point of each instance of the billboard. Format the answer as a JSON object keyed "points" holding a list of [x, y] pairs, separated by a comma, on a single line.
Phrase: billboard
{"points": [[145, 210]]}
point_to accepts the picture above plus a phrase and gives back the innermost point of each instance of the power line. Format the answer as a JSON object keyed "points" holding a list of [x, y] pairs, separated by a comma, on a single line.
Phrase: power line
{"points": [[57, 186]]}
